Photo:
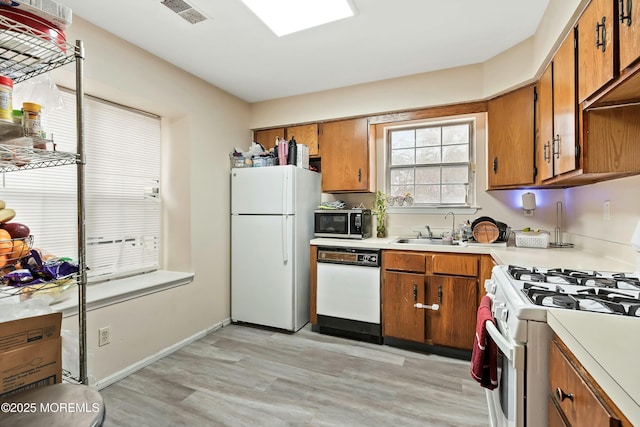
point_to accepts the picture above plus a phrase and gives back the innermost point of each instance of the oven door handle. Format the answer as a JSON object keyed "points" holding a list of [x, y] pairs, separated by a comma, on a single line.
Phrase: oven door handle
{"points": [[512, 351]]}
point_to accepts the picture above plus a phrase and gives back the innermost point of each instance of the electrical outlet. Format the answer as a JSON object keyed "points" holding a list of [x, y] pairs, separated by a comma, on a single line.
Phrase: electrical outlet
{"points": [[606, 207], [104, 336]]}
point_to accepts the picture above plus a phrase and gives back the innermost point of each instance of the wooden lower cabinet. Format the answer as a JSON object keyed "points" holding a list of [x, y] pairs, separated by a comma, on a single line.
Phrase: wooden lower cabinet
{"points": [[400, 319], [575, 399], [453, 324], [429, 278]]}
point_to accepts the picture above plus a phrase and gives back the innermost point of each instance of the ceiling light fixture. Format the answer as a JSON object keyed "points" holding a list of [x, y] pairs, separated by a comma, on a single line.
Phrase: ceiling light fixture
{"points": [[289, 16]]}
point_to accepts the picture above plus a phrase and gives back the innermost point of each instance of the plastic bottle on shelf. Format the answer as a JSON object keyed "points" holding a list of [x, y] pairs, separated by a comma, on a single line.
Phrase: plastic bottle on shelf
{"points": [[6, 98], [32, 123]]}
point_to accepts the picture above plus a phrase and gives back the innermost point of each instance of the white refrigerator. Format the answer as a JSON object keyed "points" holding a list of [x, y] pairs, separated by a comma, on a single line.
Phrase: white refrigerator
{"points": [[271, 226]]}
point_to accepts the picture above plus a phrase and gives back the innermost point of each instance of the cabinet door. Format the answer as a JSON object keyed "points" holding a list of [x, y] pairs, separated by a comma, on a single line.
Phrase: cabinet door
{"points": [[575, 398], [305, 134], [267, 137], [454, 323], [511, 139], [345, 155], [565, 107], [544, 143], [400, 319], [629, 32], [596, 62]]}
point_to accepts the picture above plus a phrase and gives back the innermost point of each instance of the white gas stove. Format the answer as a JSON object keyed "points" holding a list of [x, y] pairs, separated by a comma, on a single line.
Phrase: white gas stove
{"points": [[521, 299]]}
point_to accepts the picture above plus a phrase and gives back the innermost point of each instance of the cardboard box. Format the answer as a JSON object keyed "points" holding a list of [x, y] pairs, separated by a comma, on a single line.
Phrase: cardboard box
{"points": [[31, 366], [30, 353], [16, 333]]}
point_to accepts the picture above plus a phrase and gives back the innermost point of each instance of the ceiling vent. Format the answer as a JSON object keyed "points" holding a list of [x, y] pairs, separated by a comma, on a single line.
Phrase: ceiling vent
{"points": [[185, 10]]}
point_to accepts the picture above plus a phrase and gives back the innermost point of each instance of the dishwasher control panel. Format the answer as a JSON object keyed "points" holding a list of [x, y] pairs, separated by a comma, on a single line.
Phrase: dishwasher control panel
{"points": [[352, 256]]}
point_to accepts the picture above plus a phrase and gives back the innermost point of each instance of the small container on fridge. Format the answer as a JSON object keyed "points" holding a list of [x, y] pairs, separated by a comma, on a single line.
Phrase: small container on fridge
{"points": [[6, 98]]}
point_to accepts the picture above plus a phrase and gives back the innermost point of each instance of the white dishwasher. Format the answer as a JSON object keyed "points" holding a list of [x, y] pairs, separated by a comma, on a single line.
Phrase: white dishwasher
{"points": [[348, 292]]}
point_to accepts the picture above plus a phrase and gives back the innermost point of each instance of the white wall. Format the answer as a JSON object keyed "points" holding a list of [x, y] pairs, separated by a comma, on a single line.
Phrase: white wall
{"points": [[201, 125]]}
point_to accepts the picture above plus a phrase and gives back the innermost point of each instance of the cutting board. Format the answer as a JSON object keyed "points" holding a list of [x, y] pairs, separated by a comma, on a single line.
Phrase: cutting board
{"points": [[486, 232]]}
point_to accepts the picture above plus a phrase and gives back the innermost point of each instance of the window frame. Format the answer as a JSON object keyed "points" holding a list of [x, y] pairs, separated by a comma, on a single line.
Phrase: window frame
{"points": [[462, 208]]}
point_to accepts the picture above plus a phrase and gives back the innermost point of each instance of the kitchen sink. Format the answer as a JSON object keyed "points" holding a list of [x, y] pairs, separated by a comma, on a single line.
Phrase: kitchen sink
{"points": [[425, 241]]}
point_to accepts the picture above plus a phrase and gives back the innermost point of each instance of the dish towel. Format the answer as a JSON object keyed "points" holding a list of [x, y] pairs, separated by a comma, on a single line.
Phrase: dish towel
{"points": [[484, 356]]}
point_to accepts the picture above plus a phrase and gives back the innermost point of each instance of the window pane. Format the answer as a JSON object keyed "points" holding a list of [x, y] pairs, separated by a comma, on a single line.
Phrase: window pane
{"points": [[403, 157], [428, 175], [455, 153], [457, 134], [427, 194], [428, 137], [401, 190], [402, 138], [432, 162], [428, 155], [455, 175], [454, 193], [402, 176]]}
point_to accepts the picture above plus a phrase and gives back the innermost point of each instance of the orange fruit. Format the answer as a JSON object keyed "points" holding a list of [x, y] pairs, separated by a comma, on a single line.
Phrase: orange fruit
{"points": [[6, 245], [20, 249], [3, 260]]}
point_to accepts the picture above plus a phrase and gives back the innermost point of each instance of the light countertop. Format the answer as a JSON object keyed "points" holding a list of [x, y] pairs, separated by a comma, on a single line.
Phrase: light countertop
{"points": [[608, 347], [506, 255]]}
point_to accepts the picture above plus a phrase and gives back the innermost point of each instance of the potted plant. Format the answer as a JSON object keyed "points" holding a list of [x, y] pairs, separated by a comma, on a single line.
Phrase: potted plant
{"points": [[380, 210]]}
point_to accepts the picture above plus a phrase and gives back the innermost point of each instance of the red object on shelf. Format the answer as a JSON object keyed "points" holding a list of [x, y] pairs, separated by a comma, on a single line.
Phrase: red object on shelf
{"points": [[43, 28]]}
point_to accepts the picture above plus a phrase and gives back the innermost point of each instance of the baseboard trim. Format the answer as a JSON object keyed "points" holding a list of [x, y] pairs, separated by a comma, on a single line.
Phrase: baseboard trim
{"points": [[117, 376]]}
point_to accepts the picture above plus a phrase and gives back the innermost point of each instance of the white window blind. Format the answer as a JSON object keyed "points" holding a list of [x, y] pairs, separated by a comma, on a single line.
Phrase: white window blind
{"points": [[122, 208]]}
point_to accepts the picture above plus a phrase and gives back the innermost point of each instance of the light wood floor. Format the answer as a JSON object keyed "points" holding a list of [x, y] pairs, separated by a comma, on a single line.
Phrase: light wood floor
{"points": [[246, 376]]}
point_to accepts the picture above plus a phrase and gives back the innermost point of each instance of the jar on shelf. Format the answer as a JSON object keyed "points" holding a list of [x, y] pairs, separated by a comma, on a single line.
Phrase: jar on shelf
{"points": [[32, 123], [6, 97]]}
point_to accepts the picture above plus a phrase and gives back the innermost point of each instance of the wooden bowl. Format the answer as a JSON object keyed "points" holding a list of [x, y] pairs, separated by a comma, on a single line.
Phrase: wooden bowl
{"points": [[486, 232]]}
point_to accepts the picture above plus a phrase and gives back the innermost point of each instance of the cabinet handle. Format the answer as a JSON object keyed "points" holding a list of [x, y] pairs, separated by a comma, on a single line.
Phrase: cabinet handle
{"points": [[415, 292], [359, 175], [439, 294], [547, 157], [556, 147], [601, 43], [434, 307], [495, 165], [624, 17], [561, 395]]}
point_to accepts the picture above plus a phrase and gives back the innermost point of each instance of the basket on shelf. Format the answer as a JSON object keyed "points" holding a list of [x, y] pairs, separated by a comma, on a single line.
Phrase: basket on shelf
{"points": [[12, 250]]}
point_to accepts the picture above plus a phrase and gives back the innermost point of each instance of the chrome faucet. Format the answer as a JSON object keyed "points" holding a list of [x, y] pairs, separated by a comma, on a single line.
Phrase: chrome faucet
{"points": [[453, 223], [429, 234]]}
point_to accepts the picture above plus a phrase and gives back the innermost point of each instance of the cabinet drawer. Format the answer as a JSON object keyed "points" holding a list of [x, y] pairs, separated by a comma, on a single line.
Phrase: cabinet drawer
{"points": [[455, 265], [404, 261], [576, 400]]}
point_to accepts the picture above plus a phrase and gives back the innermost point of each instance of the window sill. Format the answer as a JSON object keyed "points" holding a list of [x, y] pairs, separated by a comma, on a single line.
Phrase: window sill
{"points": [[119, 290], [458, 210]]}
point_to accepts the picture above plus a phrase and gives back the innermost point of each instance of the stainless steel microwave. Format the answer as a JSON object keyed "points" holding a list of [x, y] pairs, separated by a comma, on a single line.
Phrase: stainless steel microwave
{"points": [[343, 223]]}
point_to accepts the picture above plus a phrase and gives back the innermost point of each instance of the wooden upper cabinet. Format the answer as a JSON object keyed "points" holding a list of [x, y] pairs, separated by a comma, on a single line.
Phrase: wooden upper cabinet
{"points": [[629, 32], [305, 134], [511, 139], [597, 46], [267, 137], [544, 143], [558, 114], [347, 156]]}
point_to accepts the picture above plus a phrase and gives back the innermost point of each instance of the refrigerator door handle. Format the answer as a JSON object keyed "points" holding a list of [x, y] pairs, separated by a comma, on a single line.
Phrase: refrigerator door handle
{"points": [[285, 250]]}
